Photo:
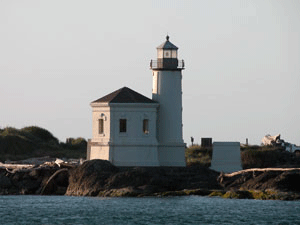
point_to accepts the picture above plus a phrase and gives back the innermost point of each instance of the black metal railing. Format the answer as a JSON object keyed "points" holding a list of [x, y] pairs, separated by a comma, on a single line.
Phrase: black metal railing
{"points": [[167, 64]]}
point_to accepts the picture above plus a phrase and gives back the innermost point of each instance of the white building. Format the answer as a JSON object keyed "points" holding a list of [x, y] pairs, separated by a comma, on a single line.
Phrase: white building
{"points": [[130, 129], [226, 157]]}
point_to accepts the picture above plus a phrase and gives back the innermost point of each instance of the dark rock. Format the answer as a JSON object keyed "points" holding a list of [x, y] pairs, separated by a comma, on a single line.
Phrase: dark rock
{"points": [[28, 186], [134, 177], [62, 179], [57, 184], [101, 178], [288, 181], [98, 177], [5, 182], [280, 180], [32, 180], [90, 178]]}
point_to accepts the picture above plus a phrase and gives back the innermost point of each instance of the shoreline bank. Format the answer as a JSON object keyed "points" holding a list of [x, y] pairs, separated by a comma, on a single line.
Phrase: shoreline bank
{"points": [[100, 178]]}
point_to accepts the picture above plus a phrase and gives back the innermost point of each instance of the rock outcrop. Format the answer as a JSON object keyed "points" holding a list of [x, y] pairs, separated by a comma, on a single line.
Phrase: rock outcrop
{"points": [[280, 179], [100, 178], [30, 179]]}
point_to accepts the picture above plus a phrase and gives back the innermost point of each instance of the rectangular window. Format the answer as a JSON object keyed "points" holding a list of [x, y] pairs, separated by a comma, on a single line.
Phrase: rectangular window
{"points": [[167, 54], [160, 53], [123, 125], [146, 126], [101, 126], [174, 54]]}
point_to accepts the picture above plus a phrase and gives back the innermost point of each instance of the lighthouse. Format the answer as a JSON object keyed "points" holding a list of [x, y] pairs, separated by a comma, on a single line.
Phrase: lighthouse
{"points": [[167, 91], [130, 129]]}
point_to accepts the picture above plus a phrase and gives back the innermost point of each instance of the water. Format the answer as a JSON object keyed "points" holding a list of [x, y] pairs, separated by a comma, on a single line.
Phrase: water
{"points": [[148, 210]]}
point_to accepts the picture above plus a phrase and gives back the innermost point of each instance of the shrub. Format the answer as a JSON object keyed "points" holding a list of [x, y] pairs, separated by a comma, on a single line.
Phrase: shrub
{"points": [[16, 145], [9, 131], [41, 133], [33, 141], [79, 141], [196, 155], [266, 156], [75, 143]]}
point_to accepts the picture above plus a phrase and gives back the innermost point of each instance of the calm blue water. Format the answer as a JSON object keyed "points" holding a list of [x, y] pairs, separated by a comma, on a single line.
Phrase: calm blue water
{"points": [[148, 210]]}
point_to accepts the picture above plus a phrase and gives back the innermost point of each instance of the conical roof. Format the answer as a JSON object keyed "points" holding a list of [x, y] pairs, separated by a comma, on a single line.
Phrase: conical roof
{"points": [[167, 45], [124, 95]]}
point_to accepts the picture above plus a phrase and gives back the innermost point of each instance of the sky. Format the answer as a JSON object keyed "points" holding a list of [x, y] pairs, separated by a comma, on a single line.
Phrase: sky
{"points": [[242, 62]]}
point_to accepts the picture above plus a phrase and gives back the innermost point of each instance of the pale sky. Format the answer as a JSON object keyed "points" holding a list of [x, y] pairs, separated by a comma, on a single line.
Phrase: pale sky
{"points": [[242, 61]]}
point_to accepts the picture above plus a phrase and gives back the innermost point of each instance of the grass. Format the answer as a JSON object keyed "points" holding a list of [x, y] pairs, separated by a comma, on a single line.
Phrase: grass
{"points": [[197, 155]]}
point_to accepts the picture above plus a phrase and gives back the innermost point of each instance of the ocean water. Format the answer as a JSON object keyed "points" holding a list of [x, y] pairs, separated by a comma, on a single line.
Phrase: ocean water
{"points": [[146, 210]]}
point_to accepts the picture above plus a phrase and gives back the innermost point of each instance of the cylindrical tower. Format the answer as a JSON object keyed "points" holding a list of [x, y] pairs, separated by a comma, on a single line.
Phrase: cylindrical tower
{"points": [[167, 91]]}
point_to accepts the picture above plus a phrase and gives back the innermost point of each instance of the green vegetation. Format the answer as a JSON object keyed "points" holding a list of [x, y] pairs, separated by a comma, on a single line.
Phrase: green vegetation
{"points": [[197, 155], [33, 141], [253, 194], [251, 156], [257, 194], [216, 194], [267, 156]]}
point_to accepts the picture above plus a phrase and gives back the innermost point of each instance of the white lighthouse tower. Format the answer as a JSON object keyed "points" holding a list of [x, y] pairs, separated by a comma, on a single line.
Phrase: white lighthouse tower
{"points": [[167, 91]]}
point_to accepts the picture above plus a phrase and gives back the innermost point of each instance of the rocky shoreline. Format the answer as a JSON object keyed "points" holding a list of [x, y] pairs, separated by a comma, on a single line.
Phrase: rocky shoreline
{"points": [[100, 178]]}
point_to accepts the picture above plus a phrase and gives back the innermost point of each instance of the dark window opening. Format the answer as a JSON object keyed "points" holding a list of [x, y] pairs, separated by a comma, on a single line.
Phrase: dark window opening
{"points": [[146, 126], [101, 126], [123, 125]]}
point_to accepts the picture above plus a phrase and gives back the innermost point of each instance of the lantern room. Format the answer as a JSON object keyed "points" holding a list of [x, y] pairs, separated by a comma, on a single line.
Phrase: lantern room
{"points": [[167, 50], [167, 57]]}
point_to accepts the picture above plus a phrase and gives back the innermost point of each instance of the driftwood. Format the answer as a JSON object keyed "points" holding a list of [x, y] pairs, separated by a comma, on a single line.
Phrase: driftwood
{"points": [[51, 178], [258, 170]]}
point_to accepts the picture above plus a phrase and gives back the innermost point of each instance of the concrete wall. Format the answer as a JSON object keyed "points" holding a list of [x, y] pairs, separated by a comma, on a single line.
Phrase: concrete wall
{"points": [[134, 155], [171, 155], [134, 114], [130, 148], [226, 157], [167, 90], [99, 152], [101, 111], [134, 148]]}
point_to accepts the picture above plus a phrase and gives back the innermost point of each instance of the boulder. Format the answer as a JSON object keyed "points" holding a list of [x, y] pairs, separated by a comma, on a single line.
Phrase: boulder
{"points": [[90, 178], [101, 178]]}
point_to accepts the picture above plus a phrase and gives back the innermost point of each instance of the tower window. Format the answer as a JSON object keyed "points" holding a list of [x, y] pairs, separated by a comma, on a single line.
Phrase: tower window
{"points": [[146, 126], [101, 126], [174, 54], [167, 53], [123, 125]]}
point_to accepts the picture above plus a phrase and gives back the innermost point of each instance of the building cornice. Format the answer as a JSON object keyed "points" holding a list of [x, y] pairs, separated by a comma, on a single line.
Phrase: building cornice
{"points": [[99, 104], [133, 105]]}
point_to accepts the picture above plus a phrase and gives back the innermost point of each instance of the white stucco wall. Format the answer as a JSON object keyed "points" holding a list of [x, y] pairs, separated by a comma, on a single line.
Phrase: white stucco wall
{"points": [[133, 148], [226, 157], [134, 114], [99, 152], [134, 155], [171, 155], [101, 111], [167, 90]]}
